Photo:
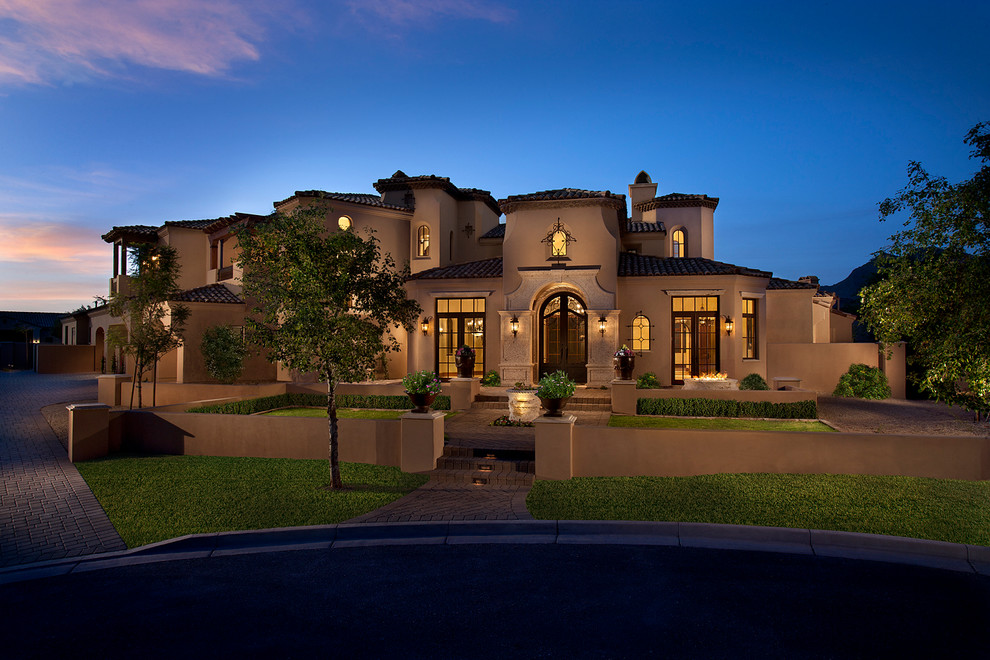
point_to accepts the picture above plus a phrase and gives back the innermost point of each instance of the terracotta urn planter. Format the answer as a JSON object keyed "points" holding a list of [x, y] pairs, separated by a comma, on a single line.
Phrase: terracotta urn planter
{"points": [[554, 407], [421, 401], [624, 365], [465, 366]]}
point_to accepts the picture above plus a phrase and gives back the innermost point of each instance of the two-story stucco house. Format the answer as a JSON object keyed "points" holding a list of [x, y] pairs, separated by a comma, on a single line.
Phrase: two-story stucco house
{"points": [[561, 282]]}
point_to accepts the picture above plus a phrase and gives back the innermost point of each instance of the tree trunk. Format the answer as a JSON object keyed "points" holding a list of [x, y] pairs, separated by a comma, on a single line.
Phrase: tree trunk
{"points": [[133, 384], [335, 481], [154, 385]]}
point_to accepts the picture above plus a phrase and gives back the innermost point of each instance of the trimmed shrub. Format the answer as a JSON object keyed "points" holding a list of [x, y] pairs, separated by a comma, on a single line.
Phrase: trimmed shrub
{"points": [[223, 353], [727, 408], [864, 382], [314, 400], [648, 381], [753, 382], [491, 379]]}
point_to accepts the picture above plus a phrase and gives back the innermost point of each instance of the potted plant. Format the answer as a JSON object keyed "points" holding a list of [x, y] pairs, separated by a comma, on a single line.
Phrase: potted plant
{"points": [[554, 390], [464, 360], [422, 388], [624, 362]]}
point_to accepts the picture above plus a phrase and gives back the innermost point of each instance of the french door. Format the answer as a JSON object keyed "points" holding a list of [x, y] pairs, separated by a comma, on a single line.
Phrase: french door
{"points": [[695, 336], [564, 337]]}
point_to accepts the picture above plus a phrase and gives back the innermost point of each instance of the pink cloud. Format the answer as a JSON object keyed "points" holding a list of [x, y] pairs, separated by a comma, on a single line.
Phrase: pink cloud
{"points": [[25, 240], [55, 38], [405, 11]]}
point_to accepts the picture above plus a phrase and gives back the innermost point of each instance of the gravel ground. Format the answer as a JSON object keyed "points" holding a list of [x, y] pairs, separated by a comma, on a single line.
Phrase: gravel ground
{"points": [[899, 417]]}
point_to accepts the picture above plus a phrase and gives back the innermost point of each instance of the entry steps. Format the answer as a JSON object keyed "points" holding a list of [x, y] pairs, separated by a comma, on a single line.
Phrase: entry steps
{"points": [[485, 467]]}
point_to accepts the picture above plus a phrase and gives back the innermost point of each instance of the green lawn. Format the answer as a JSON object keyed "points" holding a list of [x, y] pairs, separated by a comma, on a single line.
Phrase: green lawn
{"points": [[150, 499], [938, 509], [717, 423]]}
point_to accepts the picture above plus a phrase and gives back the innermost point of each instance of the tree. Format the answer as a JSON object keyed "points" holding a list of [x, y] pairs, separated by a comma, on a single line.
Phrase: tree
{"points": [[153, 325], [223, 353], [324, 303], [935, 280]]}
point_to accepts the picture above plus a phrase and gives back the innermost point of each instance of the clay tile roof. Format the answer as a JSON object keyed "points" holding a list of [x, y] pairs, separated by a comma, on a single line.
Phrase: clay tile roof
{"points": [[189, 224], [134, 232], [632, 265], [779, 283], [229, 220], [211, 293], [675, 200], [352, 198], [484, 268], [42, 320], [401, 181], [565, 197], [498, 231], [645, 227]]}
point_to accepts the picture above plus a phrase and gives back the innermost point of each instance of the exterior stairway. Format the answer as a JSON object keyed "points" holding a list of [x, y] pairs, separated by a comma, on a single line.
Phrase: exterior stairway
{"points": [[485, 467]]}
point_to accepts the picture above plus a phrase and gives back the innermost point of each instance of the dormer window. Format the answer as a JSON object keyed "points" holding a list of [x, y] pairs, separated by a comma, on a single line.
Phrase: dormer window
{"points": [[679, 248], [423, 241]]}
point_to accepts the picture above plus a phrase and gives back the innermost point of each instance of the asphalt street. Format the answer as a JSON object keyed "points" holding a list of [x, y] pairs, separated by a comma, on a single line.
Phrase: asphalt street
{"points": [[500, 600]]}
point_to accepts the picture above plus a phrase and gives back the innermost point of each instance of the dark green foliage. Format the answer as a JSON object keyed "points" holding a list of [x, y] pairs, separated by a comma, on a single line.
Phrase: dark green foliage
{"points": [[753, 382], [312, 400], [491, 379], [864, 382], [935, 280], [648, 381], [223, 353], [727, 408]]}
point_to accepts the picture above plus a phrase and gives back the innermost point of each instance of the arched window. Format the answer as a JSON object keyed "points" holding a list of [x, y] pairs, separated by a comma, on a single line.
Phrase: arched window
{"points": [[344, 223], [423, 241], [641, 333], [680, 244]]}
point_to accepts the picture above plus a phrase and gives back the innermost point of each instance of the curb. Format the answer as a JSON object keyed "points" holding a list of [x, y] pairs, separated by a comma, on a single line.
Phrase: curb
{"points": [[818, 543]]}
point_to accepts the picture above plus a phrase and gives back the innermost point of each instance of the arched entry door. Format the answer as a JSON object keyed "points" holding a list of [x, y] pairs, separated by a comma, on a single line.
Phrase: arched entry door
{"points": [[564, 336]]}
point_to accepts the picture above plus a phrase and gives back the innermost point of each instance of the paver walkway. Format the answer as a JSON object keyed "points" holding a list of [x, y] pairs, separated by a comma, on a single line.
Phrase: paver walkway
{"points": [[446, 501], [46, 509]]}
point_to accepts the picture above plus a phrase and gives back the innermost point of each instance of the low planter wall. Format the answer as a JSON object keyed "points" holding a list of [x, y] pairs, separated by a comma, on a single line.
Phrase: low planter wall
{"points": [[610, 452], [625, 395], [59, 359]]}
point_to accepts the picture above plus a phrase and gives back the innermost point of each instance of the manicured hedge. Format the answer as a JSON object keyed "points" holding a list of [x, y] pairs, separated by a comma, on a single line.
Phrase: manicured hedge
{"points": [[314, 400], [727, 408]]}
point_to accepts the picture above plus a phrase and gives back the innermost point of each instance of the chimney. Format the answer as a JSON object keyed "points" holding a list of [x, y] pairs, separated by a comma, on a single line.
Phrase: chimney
{"points": [[641, 190]]}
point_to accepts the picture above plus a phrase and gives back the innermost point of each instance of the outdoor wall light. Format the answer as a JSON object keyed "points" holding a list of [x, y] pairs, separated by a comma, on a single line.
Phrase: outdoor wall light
{"points": [[425, 325], [729, 325], [602, 322], [514, 325]]}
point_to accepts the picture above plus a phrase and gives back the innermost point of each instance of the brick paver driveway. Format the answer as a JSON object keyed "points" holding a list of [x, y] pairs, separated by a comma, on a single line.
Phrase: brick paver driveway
{"points": [[46, 509]]}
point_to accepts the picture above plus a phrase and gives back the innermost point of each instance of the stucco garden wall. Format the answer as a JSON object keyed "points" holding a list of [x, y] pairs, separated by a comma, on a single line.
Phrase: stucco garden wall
{"points": [[602, 451], [57, 359], [819, 366]]}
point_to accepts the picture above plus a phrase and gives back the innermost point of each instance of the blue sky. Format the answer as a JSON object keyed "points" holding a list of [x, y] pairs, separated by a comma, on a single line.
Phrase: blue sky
{"points": [[801, 117]]}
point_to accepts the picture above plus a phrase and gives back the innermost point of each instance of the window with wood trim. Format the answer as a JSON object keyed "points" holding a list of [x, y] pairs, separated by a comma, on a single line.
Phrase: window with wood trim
{"points": [[750, 329], [641, 333], [423, 241]]}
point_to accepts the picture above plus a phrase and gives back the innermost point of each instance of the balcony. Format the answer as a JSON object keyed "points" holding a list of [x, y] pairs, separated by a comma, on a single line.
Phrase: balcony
{"points": [[225, 273]]}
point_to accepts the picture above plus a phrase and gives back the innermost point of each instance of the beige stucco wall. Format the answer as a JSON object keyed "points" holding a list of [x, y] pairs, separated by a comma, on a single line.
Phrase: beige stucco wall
{"points": [[193, 247], [698, 224], [789, 316], [190, 357], [57, 359], [818, 365], [601, 451]]}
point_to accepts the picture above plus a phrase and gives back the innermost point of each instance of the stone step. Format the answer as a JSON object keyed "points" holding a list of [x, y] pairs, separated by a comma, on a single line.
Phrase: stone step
{"points": [[490, 466], [454, 451], [604, 399], [479, 478], [573, 404]]}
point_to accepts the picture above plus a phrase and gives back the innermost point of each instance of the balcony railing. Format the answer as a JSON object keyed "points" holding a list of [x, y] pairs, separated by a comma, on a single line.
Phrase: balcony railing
{"points": [[225, 273]]}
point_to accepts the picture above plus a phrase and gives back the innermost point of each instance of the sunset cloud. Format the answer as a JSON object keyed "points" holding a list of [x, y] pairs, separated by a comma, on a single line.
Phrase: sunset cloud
{"points": [[26, 239], [408, 11], [42, 40]]}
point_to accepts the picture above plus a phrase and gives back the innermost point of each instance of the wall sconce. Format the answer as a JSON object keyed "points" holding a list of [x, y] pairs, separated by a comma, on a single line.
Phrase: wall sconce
{"points": [[514, 325], [602, 322], [425, 325], [729, 325]]}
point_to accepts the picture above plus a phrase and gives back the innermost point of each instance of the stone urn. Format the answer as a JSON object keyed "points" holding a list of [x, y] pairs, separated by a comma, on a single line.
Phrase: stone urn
{"points": [[524, 405], [554, 406], [421, 400], [465, 366], [624, 365]]}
